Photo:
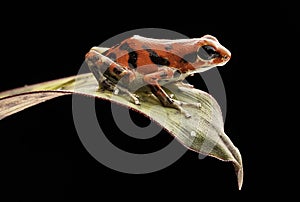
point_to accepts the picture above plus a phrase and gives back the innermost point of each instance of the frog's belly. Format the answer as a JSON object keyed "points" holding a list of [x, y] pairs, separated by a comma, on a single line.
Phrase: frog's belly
{"points": [[173, 80]]}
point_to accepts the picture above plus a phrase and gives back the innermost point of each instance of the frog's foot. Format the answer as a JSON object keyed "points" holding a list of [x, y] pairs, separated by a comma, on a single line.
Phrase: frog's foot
{"points": [[116, 89], [133, 96], [168, 101], [180, 106], [185, 85]]}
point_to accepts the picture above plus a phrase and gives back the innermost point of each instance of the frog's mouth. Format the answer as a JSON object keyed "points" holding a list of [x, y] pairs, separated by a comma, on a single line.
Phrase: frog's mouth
{"points": [[203, 69]]}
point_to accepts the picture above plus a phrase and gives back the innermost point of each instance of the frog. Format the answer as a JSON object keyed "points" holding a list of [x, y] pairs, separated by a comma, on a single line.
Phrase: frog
{"points": [[154, 62]]}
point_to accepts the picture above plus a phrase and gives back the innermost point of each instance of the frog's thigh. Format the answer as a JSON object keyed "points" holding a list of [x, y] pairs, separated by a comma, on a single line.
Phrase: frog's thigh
{"points": [[97, 65]]}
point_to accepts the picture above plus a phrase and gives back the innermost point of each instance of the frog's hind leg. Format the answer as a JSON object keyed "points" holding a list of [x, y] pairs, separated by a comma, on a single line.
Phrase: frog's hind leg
{"points": [[97, 66], [101, 65], [166, 100]]}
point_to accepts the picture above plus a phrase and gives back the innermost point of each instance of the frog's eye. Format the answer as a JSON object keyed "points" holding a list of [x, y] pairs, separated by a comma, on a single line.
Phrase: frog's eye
{"points": [[207, 52]]}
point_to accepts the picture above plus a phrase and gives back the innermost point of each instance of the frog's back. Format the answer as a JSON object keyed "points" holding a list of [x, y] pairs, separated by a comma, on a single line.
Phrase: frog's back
{"points": [[140, 51]]}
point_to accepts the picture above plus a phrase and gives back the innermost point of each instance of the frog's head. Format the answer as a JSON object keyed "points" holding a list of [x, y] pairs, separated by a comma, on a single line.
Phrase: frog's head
{"points": [[211, 53]]}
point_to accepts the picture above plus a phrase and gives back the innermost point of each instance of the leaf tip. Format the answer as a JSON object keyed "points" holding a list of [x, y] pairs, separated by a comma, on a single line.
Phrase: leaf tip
{"points": [[240, 177]]}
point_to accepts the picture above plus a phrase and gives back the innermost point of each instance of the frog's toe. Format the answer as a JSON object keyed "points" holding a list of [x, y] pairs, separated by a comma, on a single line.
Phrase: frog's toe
{"points": [[186, 113], [196, 105], [116, 91], [180, 106], [136, 101], [134, 97], [183, 104]]}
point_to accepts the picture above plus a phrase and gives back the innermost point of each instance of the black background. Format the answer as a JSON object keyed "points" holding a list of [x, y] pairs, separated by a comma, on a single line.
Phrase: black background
{"points": [[43, 157]]}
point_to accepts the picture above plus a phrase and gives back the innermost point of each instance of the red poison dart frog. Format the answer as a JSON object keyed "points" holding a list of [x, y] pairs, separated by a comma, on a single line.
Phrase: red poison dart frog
{"points": [[153, 62]]}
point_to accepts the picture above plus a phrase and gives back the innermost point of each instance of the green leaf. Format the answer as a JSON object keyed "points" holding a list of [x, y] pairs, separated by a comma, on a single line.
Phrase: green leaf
{"points": [[202, 133]]}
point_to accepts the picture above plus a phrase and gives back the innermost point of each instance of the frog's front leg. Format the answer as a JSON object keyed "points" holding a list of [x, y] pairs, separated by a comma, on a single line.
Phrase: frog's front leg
{"points": [[166, 100], [108, 73]]}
